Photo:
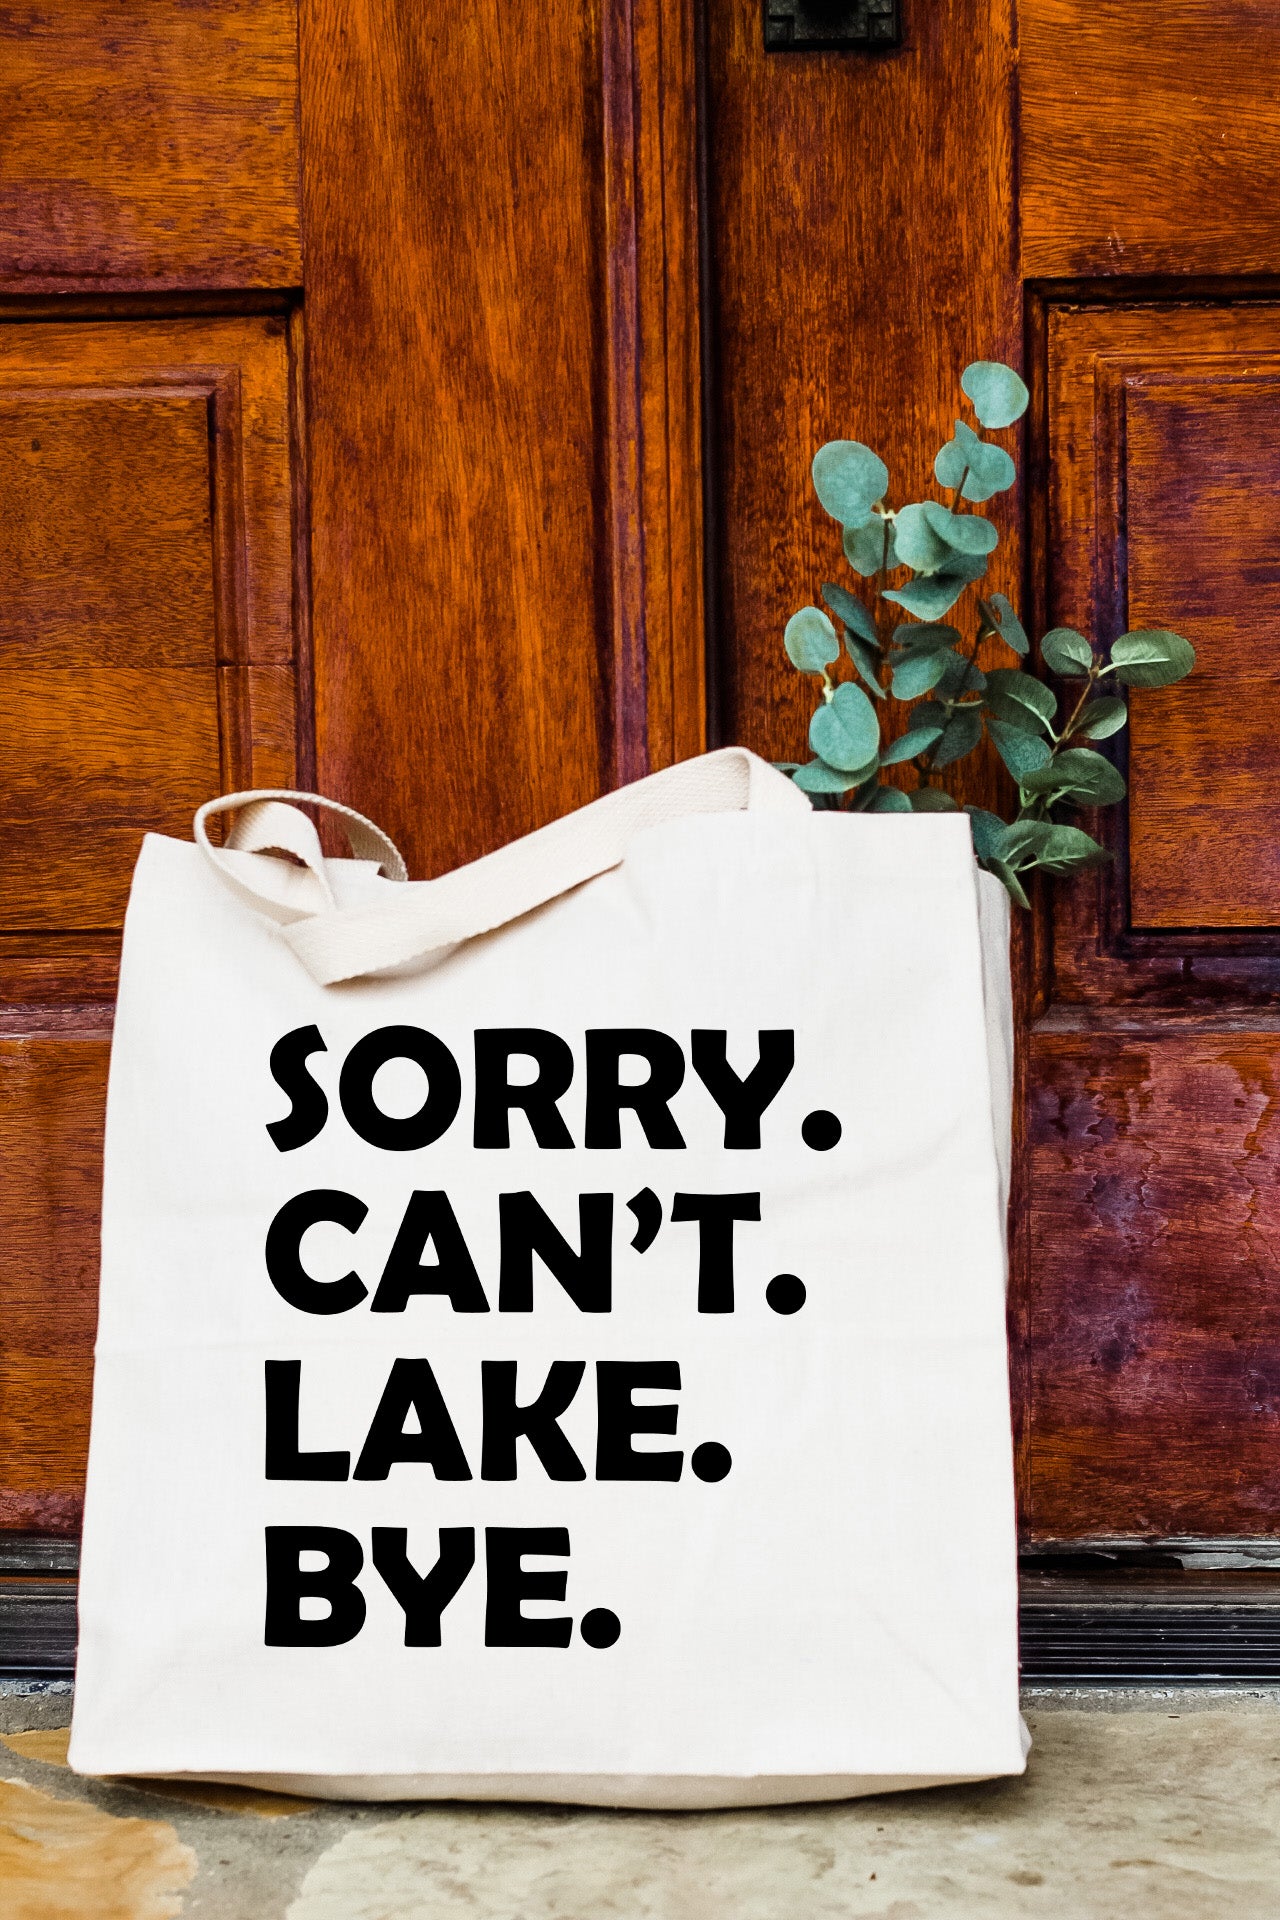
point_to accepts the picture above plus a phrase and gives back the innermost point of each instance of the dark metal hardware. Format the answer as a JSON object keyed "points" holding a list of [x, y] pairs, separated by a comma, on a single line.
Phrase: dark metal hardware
{"points": [[810, 26]]}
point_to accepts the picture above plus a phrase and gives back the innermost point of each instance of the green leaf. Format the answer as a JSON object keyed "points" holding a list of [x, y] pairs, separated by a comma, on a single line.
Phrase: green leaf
{"points": [[918, 544], [817, 777], [918, 672], [915, 740], [1152, 657], [849, 479], [810, 640], [1024, 840], [1100, 718], [889, 800], [931, 800], [998, 394], [1042, 843], [960, 736], [930, 713], [960, 676], [929, 598], [847, 607], [867, 660], [988, 832], [1078, 774], [927, 635], [1022, 752], [1067, 652], [1007, 684], [845, 731], [1008, 878], [986, 469], [1002, 617], [962, 532], [784, 766], [864, 546]]}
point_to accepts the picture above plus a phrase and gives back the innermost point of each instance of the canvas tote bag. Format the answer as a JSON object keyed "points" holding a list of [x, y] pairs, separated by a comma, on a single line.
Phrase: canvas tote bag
{"points": [[552, 1326]]}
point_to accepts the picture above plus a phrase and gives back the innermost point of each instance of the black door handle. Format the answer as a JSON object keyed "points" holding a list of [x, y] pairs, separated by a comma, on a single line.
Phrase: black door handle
{"points": [[809, 26]]}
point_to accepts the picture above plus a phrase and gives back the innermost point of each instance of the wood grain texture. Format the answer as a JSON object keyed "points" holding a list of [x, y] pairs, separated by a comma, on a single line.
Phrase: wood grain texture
{"points": [[1164, 459], [1149, 141], [1153, 1308], [146, 652], [843, 309], [146, 661], [52, 1093], [1202, 475], [655, 343], [478, 527], [669, 267], [149, 146]]}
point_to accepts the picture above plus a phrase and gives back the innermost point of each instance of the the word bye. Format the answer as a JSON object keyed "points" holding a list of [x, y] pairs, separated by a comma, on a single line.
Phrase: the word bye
{"points": [[741, 1098], [422, 1596], [412, 1393]]}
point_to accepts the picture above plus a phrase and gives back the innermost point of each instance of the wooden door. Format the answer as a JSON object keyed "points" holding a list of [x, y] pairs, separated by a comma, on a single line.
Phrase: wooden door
{"points": [[1086, 190], [386, 394]]}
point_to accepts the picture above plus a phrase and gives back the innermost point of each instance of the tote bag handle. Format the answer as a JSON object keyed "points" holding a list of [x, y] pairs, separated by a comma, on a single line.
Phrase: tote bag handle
{"points": [[337, 944]]}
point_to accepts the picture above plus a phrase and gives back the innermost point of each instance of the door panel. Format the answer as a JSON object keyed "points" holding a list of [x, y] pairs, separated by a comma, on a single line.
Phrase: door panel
{"points": [[1164, 446], [53, 1085], [1150, 1306], [146, 660], [1149, 140], [149, 146]]}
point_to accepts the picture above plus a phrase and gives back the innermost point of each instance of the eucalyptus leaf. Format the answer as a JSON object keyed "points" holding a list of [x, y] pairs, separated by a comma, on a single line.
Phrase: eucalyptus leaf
{"points": [[935, 594], [915, 740], [927, 635], [1009, 712], [1067, 848], [810, 640], [1006, 622], [866, 793], [930, 713], [1100, 718], [845, 731], [1008, 879], [849, 479], [1042, 843], [865, 547], [962, 532], [918, 672], [931, 800], [847, 607], [1078, 774], [1067, 652], [1022, 752], [817, 777], [889, 800], [988, 832], [918, 544], [1010, 683], [867, 660], [998, 394], [984, 468], [960, 676], [1152, 657], [960, 736], [1024, 841]]}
